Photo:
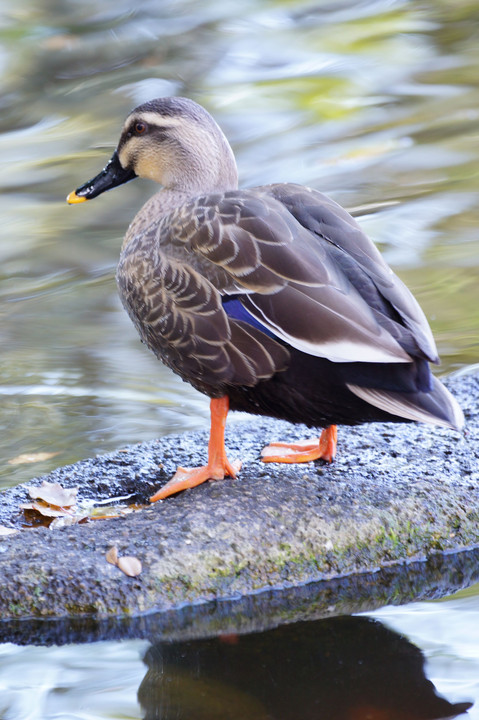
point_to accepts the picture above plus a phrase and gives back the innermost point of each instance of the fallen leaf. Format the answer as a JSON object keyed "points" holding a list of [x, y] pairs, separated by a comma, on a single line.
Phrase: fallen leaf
{"points": [[4, 531], [130, 565], [54, 494], [112, 556], [45, 509], [25, 458], [51, 500]]}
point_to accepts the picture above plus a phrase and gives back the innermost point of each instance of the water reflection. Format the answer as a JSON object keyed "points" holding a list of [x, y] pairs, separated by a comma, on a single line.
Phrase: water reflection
{"points": [[345, 668], [339, 668]]}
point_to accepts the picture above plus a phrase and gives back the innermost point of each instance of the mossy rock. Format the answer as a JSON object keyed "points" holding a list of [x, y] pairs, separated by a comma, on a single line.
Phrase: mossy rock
{"points": [[396, 493]]}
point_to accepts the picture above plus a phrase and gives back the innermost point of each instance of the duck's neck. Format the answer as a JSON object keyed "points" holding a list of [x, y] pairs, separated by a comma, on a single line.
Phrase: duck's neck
{"points": [[160, 204], [200, 168]]}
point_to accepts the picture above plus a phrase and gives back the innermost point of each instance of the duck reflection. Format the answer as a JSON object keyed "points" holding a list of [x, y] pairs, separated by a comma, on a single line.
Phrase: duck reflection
{"points": [[344, 668]]}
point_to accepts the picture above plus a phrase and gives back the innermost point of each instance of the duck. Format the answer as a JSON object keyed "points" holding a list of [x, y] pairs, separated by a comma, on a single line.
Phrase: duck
{"points": [[270, 300]]}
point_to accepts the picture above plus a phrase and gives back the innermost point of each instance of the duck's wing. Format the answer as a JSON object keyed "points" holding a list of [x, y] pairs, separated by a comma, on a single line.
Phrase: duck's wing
{"points": [[179, 315], [303, 269], [328, 220]]}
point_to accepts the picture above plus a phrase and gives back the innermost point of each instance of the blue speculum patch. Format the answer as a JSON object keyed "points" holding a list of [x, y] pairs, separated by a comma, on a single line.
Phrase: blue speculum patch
{"points": [[235, 309]]}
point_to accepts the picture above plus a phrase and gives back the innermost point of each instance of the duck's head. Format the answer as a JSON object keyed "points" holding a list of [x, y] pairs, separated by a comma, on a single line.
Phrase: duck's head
{"points": [[173, 141]]}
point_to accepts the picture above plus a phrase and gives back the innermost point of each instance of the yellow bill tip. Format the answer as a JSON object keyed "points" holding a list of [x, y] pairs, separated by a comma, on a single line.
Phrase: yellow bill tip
{"points": [[73, 198]]}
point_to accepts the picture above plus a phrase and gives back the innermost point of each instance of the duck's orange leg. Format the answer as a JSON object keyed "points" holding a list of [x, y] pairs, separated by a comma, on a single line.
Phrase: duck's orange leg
{"points": [[324, 449], [218, 464]]}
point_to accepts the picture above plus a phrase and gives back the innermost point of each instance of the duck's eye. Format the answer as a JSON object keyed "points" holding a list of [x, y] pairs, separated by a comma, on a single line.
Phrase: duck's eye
{"points": [[140, 128]]}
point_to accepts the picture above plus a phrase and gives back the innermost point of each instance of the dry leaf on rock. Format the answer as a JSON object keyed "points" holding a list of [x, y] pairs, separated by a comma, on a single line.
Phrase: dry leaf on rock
{"points": [[54, 494], [51, 500], [112, 556], [46, 510], [130, 565]]}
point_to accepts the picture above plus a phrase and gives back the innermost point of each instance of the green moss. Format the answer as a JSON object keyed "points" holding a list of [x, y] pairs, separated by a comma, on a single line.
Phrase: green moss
{"points": [[17, 610]]}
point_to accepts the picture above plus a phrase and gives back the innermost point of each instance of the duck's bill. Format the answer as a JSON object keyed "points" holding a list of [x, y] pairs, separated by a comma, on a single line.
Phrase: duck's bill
{"points": [[112, 175]]}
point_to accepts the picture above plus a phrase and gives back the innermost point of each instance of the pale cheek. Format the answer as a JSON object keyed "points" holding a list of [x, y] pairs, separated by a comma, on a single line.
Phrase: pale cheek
{"points": [[150, 168], [124, 157]]}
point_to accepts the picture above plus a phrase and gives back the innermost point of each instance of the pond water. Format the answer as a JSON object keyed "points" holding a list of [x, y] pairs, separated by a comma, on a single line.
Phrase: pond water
{"points": [[418, 661], [375, 103]]}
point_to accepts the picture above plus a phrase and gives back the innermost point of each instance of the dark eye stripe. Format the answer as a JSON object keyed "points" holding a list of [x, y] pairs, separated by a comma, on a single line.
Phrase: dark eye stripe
{"points": [[160, 132]]}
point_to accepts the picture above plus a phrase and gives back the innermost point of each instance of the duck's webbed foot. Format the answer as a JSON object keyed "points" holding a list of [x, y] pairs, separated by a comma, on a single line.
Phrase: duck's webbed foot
{"points": [[218, 466], [322, 449], [185, 478]]}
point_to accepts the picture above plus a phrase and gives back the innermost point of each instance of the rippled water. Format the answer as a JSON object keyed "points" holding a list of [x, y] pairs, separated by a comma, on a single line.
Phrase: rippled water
{"points": [[374, 103]]}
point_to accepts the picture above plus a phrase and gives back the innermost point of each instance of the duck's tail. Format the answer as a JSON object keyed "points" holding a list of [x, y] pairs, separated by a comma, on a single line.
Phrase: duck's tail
{"points": [[437, 406]]}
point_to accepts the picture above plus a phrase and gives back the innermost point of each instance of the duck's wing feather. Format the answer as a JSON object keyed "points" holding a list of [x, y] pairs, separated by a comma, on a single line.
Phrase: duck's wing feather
{"points": [[179, 315], [304, 269], [326, 219]]}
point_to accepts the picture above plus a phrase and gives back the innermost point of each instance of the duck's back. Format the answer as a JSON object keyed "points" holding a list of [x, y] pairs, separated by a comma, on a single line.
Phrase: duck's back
{"points": [[275, 297]]}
